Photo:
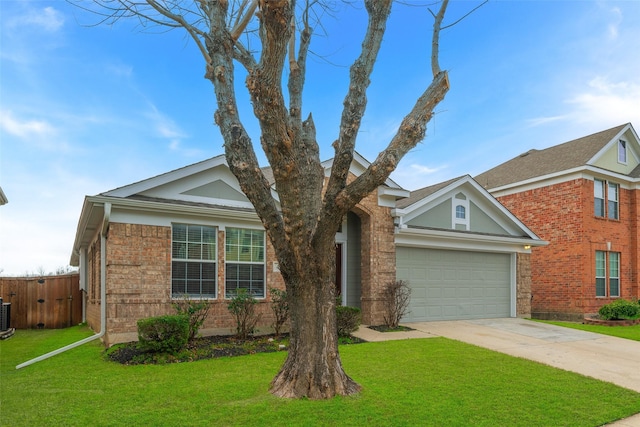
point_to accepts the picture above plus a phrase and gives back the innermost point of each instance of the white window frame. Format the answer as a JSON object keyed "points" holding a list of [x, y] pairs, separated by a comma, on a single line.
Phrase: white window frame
{"points": [[460, 200], [608, 273], [613, 201], [622, 152], [614, 275], [181, 256], [606, 198], [230, 291]]}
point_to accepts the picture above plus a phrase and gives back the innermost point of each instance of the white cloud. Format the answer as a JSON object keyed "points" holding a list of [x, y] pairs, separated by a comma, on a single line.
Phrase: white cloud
{"points": [[607, 102], [35, 132], [613, 28], [24, 129], [49, 19], [416, 175], [164, 125], [425, 170], [539, 121]]}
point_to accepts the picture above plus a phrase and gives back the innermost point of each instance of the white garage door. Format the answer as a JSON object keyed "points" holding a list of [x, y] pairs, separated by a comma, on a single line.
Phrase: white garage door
{"points": [[453, 285]]}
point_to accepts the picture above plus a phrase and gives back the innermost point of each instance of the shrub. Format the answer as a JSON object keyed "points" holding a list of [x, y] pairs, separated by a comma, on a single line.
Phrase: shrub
{"points": [[620, 309], [347, 320], [395, 297], [242, 306], [196, 310], [163, 334], [280, 308]]}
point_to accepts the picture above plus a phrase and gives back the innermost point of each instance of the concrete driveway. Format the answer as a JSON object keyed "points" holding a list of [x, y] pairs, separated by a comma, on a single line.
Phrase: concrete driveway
{"points": [[606, 358]]}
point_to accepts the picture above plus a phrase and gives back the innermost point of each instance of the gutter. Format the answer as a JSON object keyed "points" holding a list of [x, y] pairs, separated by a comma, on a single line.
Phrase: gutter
{"points": [[103, 297]]}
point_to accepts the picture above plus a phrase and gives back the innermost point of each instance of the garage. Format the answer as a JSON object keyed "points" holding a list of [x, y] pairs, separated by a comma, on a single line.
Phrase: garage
{"points": [[455, 284]]}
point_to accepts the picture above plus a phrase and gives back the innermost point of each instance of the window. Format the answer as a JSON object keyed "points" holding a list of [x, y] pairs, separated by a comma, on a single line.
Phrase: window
{"points": [[601, 274], [622, 152], [460, 212], [610, 274], [603, 190], [612, 197], [193, 260], [614, 274], [245, 262]]}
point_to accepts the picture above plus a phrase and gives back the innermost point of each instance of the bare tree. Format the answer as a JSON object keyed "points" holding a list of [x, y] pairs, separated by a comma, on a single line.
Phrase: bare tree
{"points": [[396, 297], [303, 229]]}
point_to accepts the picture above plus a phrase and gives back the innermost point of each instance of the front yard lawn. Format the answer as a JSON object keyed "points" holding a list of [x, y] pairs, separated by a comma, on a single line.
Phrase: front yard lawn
{"points": [[434, 381], [628, 332]]}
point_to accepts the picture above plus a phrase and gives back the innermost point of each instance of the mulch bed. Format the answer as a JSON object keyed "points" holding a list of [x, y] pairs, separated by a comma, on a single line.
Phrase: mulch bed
{"points": [[205, 348], [594, 320], [385, 328]]}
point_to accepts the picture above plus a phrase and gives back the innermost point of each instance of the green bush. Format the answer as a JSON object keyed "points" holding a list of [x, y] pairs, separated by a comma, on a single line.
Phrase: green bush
{"points": [[347, 320], [242, 306], [163, 334], [280, 308], [196, 310], [620, 309]]}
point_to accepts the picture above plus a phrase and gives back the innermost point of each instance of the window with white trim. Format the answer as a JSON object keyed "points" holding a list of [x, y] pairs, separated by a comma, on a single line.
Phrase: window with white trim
{"points": [[622, 151], [607, 274], [193, 260], [612, 201], [604, 190], [245, 262], [460, 212]]}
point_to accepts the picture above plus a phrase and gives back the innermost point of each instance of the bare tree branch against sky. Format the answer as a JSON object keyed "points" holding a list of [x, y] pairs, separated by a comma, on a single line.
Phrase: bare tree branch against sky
{"points": [[84, 110]]}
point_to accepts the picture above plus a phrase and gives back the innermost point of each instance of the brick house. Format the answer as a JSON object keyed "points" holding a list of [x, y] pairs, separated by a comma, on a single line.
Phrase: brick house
{"points": [[192, 231], [583, 197]]}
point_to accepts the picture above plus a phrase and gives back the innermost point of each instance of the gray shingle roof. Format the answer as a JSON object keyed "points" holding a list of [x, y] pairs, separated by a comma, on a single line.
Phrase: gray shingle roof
{"points": [[422, 193], [535, 163]]}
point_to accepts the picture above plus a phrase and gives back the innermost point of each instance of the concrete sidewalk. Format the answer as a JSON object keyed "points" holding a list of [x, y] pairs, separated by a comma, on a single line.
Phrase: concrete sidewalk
{"points": [[606, 358]]}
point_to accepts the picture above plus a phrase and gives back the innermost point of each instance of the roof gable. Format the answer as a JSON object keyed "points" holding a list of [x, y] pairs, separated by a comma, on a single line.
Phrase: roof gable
{"points": [[435, 207], [207, 182], [534, 164], [609, 156]]}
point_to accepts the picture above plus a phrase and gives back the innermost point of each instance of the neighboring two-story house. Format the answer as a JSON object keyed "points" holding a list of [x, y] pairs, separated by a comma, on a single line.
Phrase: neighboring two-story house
{"points": [[583, 197], [193, 232]]}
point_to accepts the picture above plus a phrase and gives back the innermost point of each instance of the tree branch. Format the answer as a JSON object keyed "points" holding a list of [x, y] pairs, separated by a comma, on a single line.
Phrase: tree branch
{"points": [[194, 32], [411, 132], [355, 103], [435, 39], [241, 25]]}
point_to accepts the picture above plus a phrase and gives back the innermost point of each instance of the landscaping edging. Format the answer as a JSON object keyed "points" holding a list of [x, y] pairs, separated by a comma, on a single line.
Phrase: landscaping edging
{"points": [[594, 321]]}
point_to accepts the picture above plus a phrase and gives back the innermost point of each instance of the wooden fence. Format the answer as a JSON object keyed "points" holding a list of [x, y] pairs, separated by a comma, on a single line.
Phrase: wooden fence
{"points": [[49, 302]]}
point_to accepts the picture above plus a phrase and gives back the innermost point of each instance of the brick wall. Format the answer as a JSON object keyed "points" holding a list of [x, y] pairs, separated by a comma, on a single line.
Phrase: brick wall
{"points": [[523, 285], [378, 258], [563, 273], [139, 283]]}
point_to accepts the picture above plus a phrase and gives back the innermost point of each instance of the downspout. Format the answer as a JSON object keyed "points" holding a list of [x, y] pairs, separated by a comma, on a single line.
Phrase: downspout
{"points": [[103, 297]]}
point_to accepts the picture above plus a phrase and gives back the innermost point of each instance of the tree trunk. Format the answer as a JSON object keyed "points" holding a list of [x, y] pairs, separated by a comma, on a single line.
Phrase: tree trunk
{"points": [[313, 368]]}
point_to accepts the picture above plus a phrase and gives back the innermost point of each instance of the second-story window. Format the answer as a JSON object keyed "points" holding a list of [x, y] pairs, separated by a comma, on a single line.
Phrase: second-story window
{"points": [[612, 197], [603, 190]]}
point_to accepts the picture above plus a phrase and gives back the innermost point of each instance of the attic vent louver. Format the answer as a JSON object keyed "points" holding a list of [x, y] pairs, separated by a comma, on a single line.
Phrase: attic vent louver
{"points": [[527, 153]]}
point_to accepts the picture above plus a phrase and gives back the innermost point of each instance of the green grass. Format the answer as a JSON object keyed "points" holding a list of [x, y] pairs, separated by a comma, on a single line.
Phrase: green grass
{"points": [[628, 332], [435, 381]]}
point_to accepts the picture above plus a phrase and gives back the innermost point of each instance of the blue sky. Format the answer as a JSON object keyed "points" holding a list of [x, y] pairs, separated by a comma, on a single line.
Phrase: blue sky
{"points": [[85, 109]]}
